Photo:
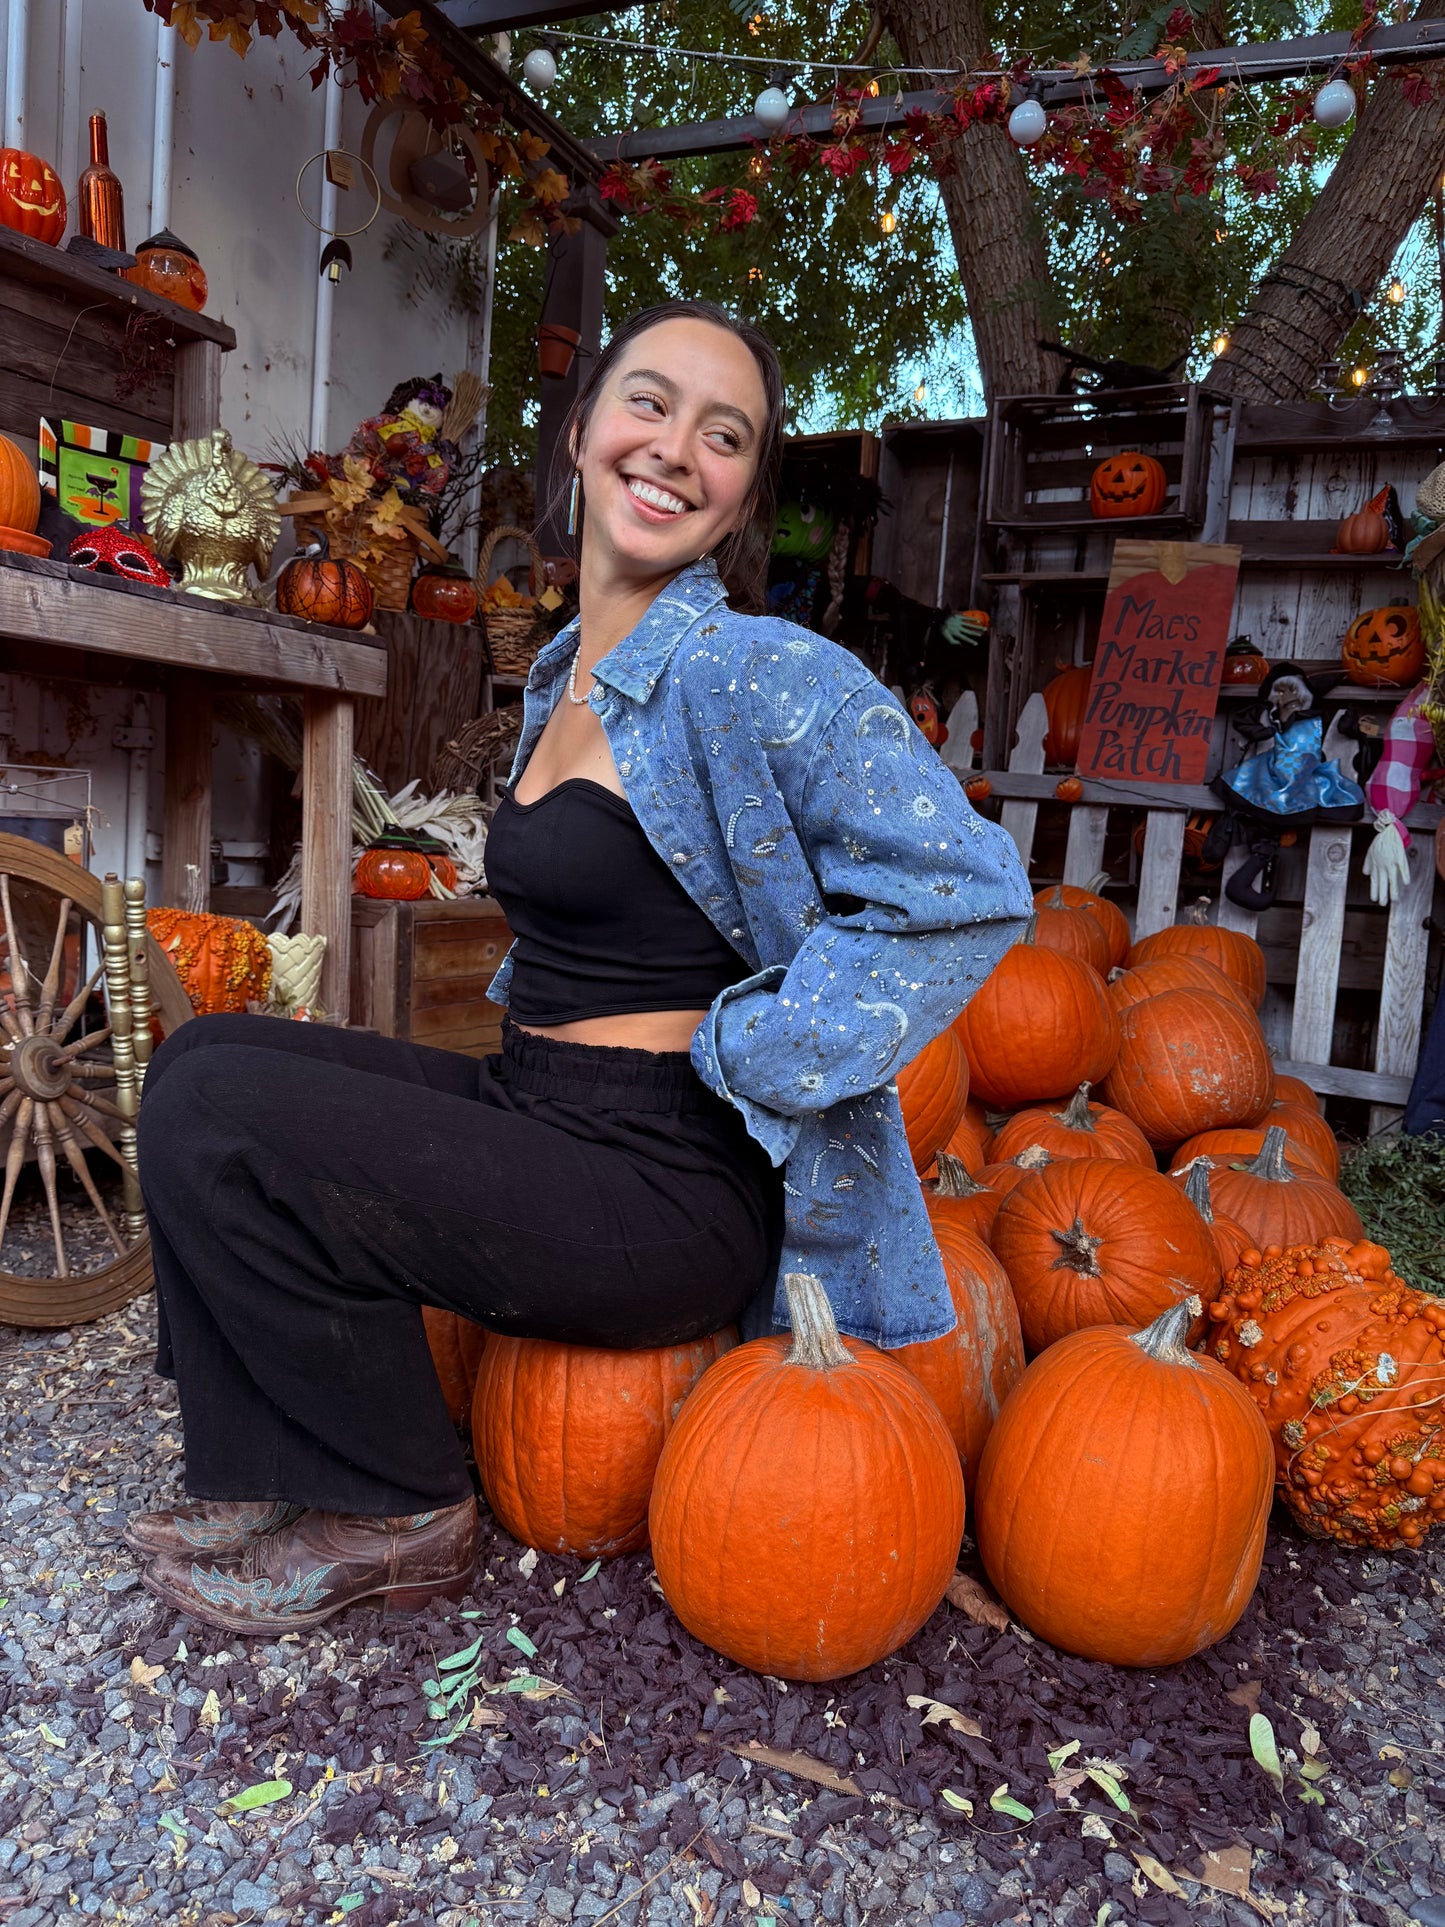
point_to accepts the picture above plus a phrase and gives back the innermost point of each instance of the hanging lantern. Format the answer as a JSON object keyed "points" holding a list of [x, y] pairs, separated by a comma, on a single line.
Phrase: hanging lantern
{"points": [[772, 108], [1335, 103], [539, 69], [1027, 122]]}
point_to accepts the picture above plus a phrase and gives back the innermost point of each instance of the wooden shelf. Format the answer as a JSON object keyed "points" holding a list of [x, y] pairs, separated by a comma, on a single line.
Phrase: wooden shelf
{"points": [[1018, 785], [1306, 428], [35, 262], [49, 602], [1279, 559], [1051, 579]]}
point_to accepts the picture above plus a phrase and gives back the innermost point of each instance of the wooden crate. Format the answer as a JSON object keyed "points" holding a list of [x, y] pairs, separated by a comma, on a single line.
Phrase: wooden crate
{"points": [[421, 971]]}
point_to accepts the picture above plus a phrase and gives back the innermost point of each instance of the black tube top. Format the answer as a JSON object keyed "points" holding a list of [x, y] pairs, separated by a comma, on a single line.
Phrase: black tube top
{"points": [[602, 926]]}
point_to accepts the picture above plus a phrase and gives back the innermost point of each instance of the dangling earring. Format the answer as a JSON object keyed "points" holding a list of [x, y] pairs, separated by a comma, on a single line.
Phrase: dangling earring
{"points": [[572, 501]]}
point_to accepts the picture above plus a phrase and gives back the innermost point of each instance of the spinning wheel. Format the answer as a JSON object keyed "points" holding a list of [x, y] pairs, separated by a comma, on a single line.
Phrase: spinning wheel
{"points": [[69, 1084]]}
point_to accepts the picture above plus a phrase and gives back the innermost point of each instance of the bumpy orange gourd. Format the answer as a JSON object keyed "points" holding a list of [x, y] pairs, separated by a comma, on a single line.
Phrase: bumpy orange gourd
{"points": [[1059, 926], [456, 1347], [1108, 916], [1187, 1062], [809, 1503], [19, 488], [1123, 1496], [961, 1200], [1345, 1363], [1040, 1024], [971, 1370], [1128, 484], [1079, 1130], [1129, 987], [567, 1437], [1231, 1241], [223, 962], [1237, 955], [1091, 1242], [933, 1090], [1278, 1203]]}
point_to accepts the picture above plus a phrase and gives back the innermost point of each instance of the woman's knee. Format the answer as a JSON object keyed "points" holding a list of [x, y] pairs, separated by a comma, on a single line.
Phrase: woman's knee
{"points": [[196, 1034]]}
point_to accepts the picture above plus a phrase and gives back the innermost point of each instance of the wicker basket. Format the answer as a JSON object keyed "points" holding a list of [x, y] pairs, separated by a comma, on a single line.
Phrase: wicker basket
{"points": [[513, 635], [389, 573], [468, 759]]}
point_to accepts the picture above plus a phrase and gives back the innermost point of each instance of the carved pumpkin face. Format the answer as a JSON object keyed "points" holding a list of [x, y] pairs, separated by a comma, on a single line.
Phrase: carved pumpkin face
{"points": [[32, 201], [116, 551], [924, 711], [1383, 648], [1127, 484]]}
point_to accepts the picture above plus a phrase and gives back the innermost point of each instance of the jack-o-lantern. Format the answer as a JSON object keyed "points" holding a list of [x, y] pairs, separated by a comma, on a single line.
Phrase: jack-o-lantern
{"points": [[1128, 484], [1383, 648], [32, 201], [322, 587]]}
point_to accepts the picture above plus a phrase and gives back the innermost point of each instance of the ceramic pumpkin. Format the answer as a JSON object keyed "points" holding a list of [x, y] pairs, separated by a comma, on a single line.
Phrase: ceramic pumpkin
{"points": [[324, 588], [824, 1545], [32, 200], [1384, 649], [1243, 663], [444, 595], [1128, 484], [19, 488], [1092, 1242], [394, 869], [166, 266], [1123, 1552], [1040, 1023], [1345, 1363], [224, 963], [1188, 1062], [1366, 532], [1066, 699]]}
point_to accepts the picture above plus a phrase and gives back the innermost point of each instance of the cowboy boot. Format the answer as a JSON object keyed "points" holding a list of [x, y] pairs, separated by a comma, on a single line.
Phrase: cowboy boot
{"points": [[217, 1526], [323, 1562]]}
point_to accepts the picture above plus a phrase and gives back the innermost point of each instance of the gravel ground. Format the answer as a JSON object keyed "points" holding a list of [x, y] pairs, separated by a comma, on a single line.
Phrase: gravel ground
{"points": [[617, 1790]]}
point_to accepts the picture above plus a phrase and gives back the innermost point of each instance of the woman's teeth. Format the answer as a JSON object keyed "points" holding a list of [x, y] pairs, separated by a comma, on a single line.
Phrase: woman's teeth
{"points": [[657, 498]]}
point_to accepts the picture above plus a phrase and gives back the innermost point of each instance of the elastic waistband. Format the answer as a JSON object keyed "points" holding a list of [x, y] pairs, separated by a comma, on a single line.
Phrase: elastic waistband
{"points": [[604, 1076]]}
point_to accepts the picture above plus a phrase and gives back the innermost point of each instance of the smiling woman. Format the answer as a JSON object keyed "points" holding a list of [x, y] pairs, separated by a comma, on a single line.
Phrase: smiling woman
{"points": [[745, 894]]}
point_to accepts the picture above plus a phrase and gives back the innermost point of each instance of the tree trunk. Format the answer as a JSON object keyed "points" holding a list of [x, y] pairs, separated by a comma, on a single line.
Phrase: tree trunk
{"points": [[1305, 303], [997, 238]]}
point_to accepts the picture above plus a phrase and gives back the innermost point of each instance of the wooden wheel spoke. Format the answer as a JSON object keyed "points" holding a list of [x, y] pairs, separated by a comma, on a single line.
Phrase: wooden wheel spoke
{"points": [[93, 1073], [19, 1138], [75, 1157], [9, 1023], [104, 1106], [45, 1158], [50, 989], [77, 1004], [19, 969], [80, 1113], [92, 1040]]}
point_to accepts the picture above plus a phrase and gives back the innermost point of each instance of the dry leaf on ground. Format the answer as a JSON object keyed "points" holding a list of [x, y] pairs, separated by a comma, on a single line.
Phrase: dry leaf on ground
{"points": [[980, 1606], [945, 1714]]}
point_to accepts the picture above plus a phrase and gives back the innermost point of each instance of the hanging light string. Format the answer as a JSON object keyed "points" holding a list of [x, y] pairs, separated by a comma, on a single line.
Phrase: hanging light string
{"points": [[771, 61]]}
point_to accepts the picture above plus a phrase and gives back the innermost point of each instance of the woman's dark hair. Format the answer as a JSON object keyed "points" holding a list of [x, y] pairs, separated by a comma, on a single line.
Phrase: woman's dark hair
{"points": [[742, 557]]}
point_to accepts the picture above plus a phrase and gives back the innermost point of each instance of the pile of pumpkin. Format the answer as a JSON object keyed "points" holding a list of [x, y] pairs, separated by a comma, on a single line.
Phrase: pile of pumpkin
{"points": [[805, 1496]]}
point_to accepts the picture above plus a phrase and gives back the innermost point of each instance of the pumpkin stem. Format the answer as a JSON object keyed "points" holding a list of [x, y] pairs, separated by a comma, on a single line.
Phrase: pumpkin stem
{"points": [[1077, 1253], [1033, 1157], [1196, 1187], [954, 1178], [816, 1343], [1057, 901], [1116, 973], [1077, 1116], [1198, 913], [1271, 1162], [1095, 885], [1166, 1340], [1029, 928]]}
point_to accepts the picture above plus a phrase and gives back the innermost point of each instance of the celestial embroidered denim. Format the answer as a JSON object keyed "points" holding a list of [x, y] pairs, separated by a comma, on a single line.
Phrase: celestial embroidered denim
{"points": [[802, 810]]}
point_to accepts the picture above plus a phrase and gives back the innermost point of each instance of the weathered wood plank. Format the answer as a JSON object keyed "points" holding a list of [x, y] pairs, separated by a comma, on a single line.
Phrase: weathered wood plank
{"points": [[1334, 1080], [433, 688], [1402, 983], [1019, 818], [1159, 872], [1020, 784], [1084, 853], [1313, 1023], [196, 408], [82, 285], [186, 863], [326, 838]]}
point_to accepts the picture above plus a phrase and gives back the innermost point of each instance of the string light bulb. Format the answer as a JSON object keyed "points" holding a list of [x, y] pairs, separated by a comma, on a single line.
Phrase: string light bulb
{"points": [[539, 69], [772, 108], [872, 90], [757, 167], [755, 25], [887, 220], [1395, 293], [1359, 376], [1220, 344], [1027, 123], [1335, 104], [755, 274], [920, 393]]}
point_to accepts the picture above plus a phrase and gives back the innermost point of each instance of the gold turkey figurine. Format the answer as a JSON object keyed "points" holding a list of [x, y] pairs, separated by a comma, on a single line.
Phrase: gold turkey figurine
{"points": [[212, 508]]}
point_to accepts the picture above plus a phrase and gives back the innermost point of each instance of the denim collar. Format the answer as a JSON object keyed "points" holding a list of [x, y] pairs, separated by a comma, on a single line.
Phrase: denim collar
{"points": [[635, 664]]}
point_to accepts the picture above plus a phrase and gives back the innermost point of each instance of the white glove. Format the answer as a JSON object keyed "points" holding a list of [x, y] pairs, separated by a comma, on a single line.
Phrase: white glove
{"points": [[1386, 864]]}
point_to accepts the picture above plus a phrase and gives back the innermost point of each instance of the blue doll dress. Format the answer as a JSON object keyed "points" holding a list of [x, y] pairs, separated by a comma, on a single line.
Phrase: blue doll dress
{"points": [[1291, 781]]}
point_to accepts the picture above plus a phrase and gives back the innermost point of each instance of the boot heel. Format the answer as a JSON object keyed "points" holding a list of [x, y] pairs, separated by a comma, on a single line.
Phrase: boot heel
{"points": [[414, 1599]]}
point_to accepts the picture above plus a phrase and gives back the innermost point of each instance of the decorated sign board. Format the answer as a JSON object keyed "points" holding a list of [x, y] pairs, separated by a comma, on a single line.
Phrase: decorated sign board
{"points": [[1158, 665], [95, 473]]}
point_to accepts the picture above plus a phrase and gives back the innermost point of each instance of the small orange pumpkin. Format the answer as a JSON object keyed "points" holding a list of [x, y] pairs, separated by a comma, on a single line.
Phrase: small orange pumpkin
{"points": [[444, 595], [1130, 483], [324, 588], [19, 488], [1069, 789], [1366, 532], [1087, 897], [977, 789], [394, 870], [1384, 649]]}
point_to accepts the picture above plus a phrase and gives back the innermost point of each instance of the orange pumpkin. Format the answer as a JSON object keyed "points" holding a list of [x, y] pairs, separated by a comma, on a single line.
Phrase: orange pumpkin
{"points": [[1277, 1203], [1128, 484], [567, 1437], [1366, 532], [1002, 1176], [1094, 1242], [825, 1541], [1079, 1130], [1069, 789], [1384, 649], [1173, 972], [1231, 951], [324, 588], [1294, 1090], [1039, 1024], [1230, 1240], [223, 962], [933, 1090], [1092, 1518], [1108, 916], [19, 488], [1074, 932], [32, 200], [967, 1145], [444, 595], [971, 1370], [456, 1347], [1188, 1062], [959, 1200], [977, 789], [1066, 702], [1308, 1130], [1240, 1142], [393, 870], [1345, 1364]]}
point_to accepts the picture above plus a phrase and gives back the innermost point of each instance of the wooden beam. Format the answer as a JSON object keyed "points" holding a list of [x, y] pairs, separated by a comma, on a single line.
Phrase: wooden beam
{"points": [[196, 408], [506, 16], [326, 841], [1015, 784], [489, 83], [576, 288], [188, 793], [1276, 59]]}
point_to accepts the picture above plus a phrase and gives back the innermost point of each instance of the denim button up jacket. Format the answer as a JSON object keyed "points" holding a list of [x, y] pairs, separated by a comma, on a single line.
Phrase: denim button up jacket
{"points": [[798, 805]]}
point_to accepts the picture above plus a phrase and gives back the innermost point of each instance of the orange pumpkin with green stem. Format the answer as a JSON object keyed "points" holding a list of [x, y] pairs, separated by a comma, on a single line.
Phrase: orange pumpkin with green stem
{"points": [[1230, 1239], [1039, 1024], [1276, 1203], [1108, 915], [1079, 1130], [1058, 925], [1231, 951]]}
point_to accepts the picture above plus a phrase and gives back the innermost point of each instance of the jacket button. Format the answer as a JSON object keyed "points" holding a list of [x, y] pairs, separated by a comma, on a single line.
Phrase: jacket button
{"points": [[679, 856]]}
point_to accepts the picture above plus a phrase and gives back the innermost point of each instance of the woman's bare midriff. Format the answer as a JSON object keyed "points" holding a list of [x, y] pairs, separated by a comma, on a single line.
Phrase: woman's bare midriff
{"points": [[654, 1030]]}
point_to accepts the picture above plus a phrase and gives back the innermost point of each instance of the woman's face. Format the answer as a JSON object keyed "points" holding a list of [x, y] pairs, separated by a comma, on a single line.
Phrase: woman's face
{"points": [[671, 450]]}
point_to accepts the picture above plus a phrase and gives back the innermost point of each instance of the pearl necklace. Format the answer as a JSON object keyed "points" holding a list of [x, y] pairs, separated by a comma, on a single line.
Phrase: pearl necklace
{"points": [[582, 702]]}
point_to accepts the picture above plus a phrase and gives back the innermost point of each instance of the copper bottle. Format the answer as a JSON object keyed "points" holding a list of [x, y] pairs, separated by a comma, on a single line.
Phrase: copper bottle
{"points": [[102, 206]]}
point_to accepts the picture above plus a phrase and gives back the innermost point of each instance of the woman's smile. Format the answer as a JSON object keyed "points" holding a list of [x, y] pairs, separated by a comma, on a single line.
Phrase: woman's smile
{"points": [[654, 502]]}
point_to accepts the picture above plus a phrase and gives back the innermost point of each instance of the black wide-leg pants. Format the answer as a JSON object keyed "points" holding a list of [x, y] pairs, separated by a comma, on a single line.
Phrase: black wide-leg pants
{"points": [[309, 1189]]}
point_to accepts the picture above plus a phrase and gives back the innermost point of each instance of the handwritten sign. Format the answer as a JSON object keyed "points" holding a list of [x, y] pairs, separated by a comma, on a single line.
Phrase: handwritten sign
{"points": [[1157, 668]]}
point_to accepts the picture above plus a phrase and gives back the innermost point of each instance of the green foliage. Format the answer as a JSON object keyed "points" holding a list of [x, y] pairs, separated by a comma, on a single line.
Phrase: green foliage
{"points": [[1397, 1184]]}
